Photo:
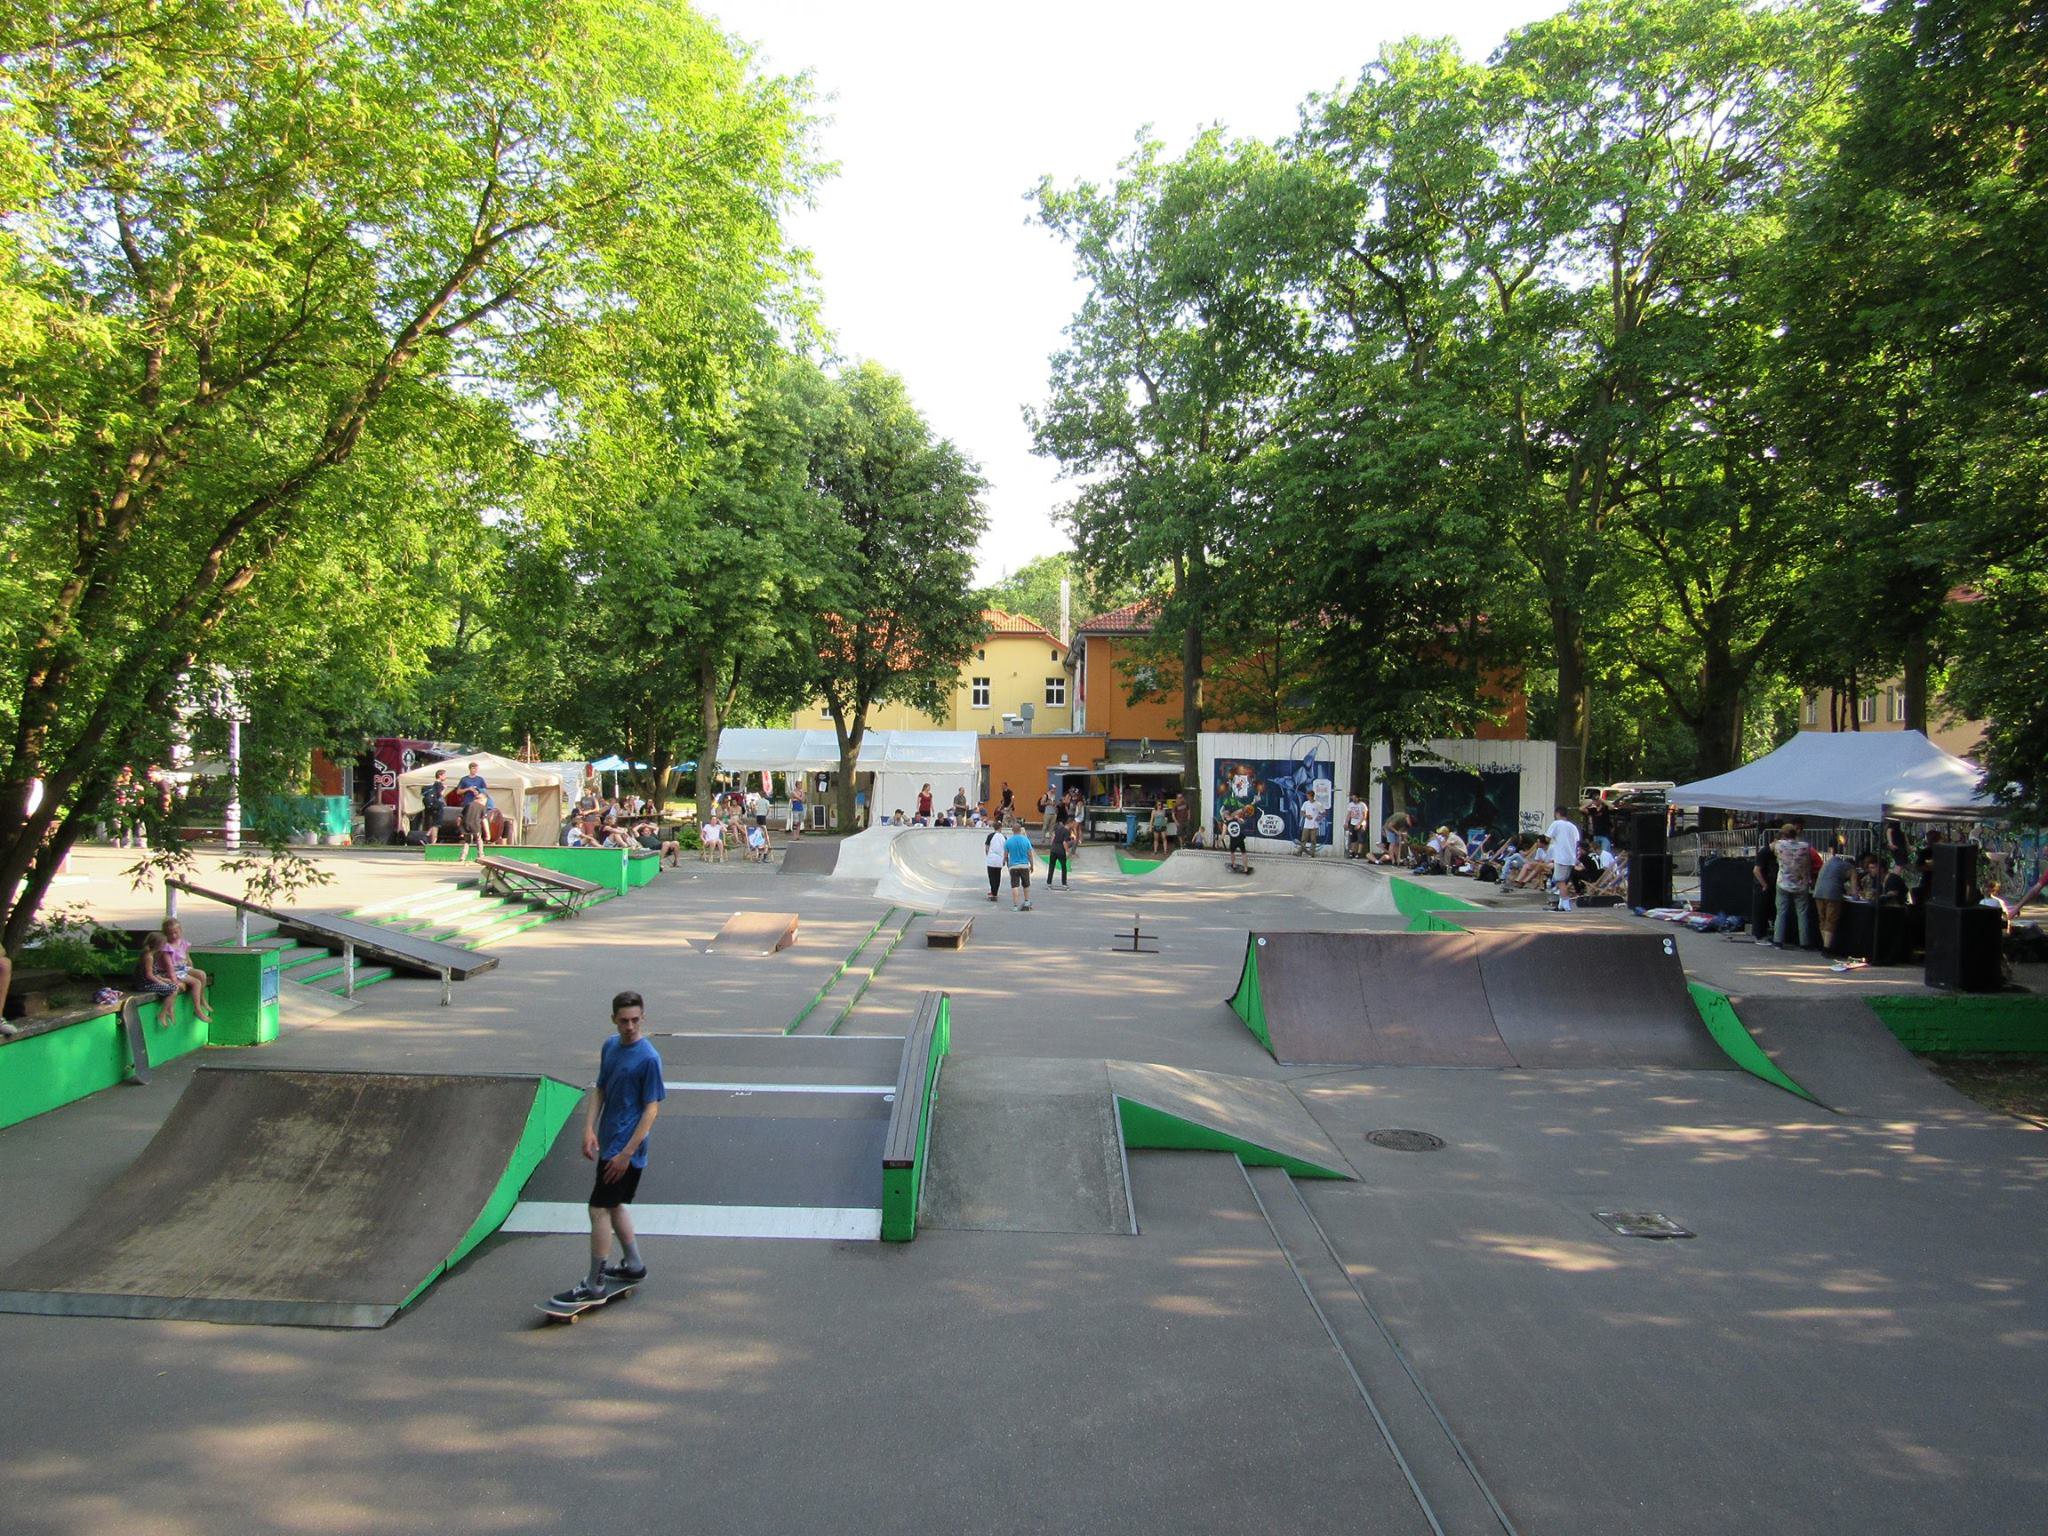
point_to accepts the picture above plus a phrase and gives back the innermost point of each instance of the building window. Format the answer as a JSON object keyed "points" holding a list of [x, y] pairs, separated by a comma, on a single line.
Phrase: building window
{"points": [[1866, 709], [1895, 699], [981, 655], [1812, 715], [1055, 692], [981, 693], [824, 711]]}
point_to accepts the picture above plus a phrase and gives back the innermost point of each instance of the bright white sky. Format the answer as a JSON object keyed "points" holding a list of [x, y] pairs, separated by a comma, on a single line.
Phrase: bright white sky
{"points": [[942, 118]]}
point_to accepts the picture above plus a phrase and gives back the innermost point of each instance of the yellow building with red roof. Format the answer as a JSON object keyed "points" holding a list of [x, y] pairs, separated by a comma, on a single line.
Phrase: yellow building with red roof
{"points": [[1019, 663]]}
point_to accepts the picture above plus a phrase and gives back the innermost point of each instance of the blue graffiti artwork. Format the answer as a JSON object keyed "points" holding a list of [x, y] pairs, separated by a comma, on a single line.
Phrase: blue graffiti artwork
{"points": [[1271, 791]]}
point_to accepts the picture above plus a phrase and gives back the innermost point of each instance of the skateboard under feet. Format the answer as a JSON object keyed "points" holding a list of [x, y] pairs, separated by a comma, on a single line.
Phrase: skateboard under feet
{"points": [[568, 1311]]}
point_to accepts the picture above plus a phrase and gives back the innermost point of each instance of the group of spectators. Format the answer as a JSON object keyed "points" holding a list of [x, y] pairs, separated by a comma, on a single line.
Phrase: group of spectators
{"points": [[1805, 891], [1568, 860], [739, 820], [467, 803]]}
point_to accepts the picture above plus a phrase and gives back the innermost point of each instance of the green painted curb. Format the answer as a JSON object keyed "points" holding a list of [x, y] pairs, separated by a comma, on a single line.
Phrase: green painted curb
{"points": [[1246, 1002], [1412, 900], [1717, 1012], [2002, 1022], [46, 1072], [554, 1102], [838, 971], [1134, 866], [1149, 1129], [903, 1188]]}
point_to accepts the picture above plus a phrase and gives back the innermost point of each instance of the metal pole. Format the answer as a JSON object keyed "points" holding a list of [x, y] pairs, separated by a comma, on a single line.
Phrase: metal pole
{"points": [[170, 901], [447, 986], [348, 968], [233, 816], [241, 927]]}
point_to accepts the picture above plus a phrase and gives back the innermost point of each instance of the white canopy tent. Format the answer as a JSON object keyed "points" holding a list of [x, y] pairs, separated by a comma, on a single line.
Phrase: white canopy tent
{"points": [[902, 762], [530, 794], [1849, 776]]}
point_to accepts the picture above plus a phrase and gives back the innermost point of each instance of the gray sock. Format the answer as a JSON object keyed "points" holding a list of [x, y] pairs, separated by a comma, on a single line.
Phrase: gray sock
{"points": [[595, 1279], [632, 1255]]}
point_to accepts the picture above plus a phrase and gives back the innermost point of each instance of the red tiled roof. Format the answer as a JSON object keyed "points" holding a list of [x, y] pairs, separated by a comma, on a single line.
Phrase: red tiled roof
{"points": [[1001, 623], [1131, 619]]}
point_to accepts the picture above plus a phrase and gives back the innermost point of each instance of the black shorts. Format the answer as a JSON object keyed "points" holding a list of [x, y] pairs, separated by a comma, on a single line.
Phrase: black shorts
{"points": [[1020, 874], [1237, 842], [618, 1192]]}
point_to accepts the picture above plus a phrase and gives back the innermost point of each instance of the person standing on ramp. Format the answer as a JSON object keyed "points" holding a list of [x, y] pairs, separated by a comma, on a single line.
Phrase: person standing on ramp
{"points": [[623, 1105]]}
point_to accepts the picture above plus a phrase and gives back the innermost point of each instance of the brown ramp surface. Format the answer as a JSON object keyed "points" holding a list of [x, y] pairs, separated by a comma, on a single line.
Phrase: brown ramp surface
{"points": [[1593, 998], [276, 1196], [1377, 999], [755, 933], [1842, 1053]]}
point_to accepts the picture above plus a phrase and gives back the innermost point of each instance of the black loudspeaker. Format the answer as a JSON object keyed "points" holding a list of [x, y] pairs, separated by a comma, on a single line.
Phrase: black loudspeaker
{"points": [[1728, 886], [1646, 833], [1955, 875], [1649, 880], [1962, 948]]}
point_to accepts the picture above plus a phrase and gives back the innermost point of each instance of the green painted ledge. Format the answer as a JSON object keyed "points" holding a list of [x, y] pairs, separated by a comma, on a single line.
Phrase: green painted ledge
{"points": [[1246, 1002], [46, 1072], [903, 1188], [1149, 1129], [1414, 900], [1136, 866], [609, 867], [1433, 922], [554, 1102], [1717, 1012], [2005, 1022]]}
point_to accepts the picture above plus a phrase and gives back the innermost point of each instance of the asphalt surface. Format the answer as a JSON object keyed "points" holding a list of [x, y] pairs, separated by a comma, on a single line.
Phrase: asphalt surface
{"points": [[1856, 1339]]}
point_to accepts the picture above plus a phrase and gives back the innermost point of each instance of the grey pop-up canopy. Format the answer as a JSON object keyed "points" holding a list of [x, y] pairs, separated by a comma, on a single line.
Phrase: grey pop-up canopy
{"points": [[1850, 776]]}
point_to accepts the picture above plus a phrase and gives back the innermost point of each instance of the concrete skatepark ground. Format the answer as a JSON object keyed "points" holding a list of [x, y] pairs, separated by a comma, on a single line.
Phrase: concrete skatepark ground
{"points": [[1854, 1341]]}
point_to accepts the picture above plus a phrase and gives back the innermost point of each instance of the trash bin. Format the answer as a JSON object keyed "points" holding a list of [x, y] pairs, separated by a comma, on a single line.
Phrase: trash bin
{"points": [[380, 822]]}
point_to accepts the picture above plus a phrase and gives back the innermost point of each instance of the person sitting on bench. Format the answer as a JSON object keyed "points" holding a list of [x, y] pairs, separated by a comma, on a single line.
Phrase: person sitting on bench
{"points": [[648, 836]]}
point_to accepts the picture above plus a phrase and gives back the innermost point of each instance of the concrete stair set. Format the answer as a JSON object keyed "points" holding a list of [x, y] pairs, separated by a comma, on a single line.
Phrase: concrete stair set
{"points": [[461, 915]]}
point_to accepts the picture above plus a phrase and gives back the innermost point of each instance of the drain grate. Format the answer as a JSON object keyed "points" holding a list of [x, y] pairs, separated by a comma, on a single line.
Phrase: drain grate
{"points": [[1406, 1141], [1652, 1224]]}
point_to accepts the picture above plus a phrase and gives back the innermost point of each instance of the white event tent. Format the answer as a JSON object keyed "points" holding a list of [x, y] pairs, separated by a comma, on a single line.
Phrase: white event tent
{"points": [[529, 794], [1849, 776], [903, 762]]}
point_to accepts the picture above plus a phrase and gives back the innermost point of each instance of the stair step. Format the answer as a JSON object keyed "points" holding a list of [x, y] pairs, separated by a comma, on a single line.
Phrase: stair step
{"points": [[1439, 1471], [485, 937], [306, 972], [366, 976]]}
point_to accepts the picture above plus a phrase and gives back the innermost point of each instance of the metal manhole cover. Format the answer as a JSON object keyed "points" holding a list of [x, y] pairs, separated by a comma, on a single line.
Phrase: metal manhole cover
{"points": [[1653, 1224], [1406, 1141]]}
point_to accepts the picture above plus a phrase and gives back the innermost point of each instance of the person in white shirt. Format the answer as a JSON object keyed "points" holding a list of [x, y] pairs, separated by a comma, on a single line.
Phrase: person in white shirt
{"points": [[1564, 856], [1355, 844], [1311, 824], [993, 855]]}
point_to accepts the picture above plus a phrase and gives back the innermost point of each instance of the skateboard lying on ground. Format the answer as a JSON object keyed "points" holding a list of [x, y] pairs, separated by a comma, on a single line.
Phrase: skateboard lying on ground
{"points": [[568, 1311]]}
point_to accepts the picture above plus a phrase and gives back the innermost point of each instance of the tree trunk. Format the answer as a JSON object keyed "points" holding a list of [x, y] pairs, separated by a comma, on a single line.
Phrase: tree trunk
{"points": [[1918, 664], [850, 737], [714, 722], [1573, 692], [1191, 710], [1717, 744]]}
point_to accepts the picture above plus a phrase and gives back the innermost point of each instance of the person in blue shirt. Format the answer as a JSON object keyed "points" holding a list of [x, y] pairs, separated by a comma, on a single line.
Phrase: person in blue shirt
{"points": [[1017, 854], [622, 1108]]}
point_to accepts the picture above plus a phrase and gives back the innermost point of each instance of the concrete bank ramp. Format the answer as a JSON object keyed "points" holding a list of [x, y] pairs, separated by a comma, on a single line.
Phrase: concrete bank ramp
{"points": [[1330, 881], [754, 933], [924, 868], [1023, 1144], [810, 855], [1491, 998], [1262, 1122], [1842, 1054], [284, 1196]]}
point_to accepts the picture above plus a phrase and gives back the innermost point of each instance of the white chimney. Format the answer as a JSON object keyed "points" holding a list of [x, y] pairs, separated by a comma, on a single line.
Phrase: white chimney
{"points": [[1066, 609]]}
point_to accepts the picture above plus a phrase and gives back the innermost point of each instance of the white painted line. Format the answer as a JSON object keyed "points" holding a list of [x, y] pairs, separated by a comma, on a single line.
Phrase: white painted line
{"points": [[840, 1223], [869, 1088]]}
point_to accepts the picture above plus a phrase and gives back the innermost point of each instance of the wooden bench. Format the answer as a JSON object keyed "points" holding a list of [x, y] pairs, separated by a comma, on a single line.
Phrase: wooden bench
{"points": [[904, 1150], [951, 933]]}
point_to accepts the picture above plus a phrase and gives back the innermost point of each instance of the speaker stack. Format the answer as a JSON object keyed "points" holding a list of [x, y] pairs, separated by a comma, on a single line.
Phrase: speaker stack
{"points": [[1728, 887], [1963, 938]]}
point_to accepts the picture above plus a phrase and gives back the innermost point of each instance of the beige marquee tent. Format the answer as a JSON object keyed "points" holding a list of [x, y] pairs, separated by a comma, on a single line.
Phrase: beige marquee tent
{"points": [[529, 794]]}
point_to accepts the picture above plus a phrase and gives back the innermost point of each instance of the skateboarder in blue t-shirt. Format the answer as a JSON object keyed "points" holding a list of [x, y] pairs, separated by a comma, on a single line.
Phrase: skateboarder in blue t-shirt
{"points": [[623, 1105], [1017, 854]]}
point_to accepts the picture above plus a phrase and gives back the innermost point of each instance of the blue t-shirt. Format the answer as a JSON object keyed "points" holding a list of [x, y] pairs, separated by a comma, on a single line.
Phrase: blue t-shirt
{"points": [[1018, 847], [628, 1080]]}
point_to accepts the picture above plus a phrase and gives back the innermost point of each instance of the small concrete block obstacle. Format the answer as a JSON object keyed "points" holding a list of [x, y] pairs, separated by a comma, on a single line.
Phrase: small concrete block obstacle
{"points": [[755, 933], [950, 933], [1136, 938]]}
